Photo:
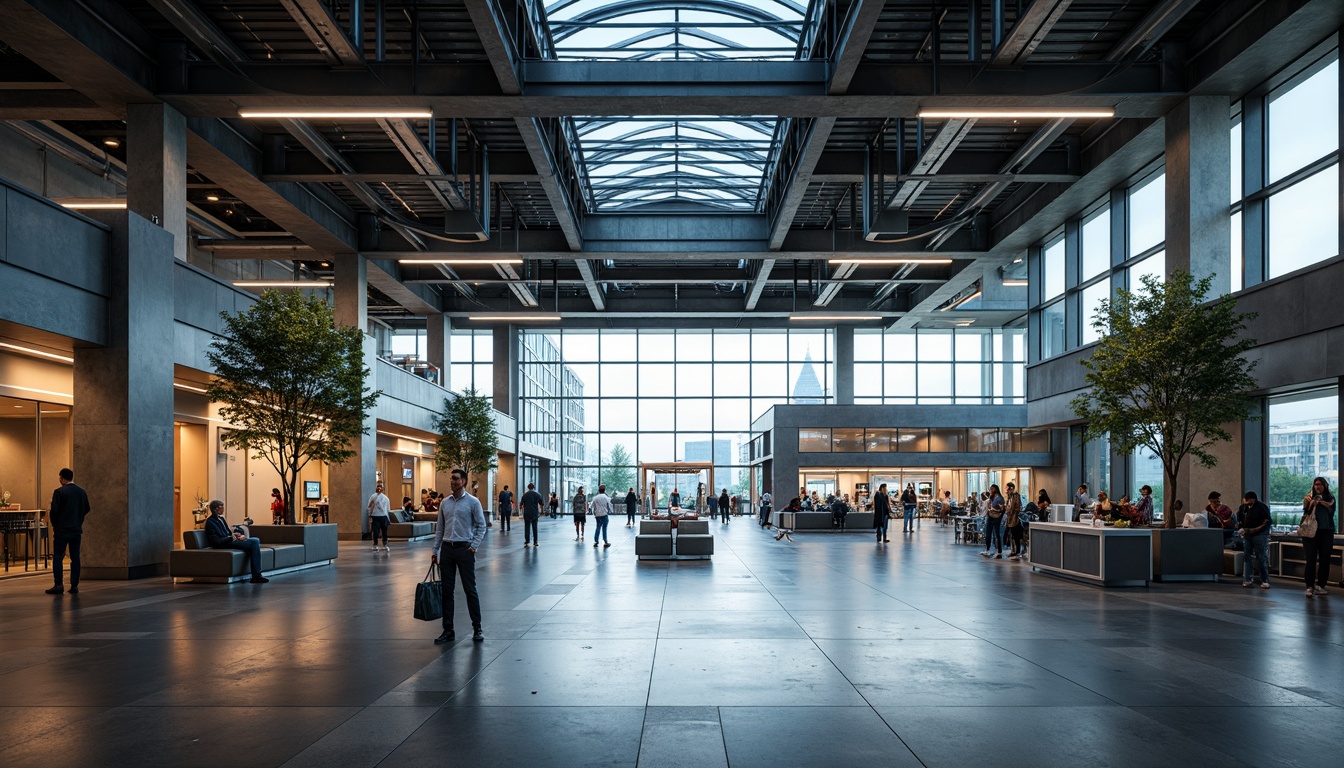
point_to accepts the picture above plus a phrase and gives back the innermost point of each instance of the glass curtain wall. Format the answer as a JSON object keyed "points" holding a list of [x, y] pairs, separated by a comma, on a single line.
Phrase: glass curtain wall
{"points": [[608, 400], [1303, 444], [1079, 269], [471, 355], [1285, 202], [939, 367], [35, 443]]}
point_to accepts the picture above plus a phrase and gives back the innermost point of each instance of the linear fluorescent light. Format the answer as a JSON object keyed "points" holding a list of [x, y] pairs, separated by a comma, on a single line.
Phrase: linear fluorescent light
{"points": [[282, 283], [405, 437], [1016, 114], [460, 261], [37, 352], [804, 316], [93, 204], [888, 261], [190, 388], [336, 114], [959, 302], [515, 318], [1015, 283]]}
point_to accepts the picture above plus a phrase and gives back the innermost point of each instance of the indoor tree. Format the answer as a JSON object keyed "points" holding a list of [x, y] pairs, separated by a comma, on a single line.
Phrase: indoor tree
{"points": [[467, 436], [1168, 373], [290, 384], [617, 472]]}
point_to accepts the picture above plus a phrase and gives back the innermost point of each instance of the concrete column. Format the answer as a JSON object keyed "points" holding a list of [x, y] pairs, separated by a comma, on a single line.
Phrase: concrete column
{"points": [[844, 365], [506, 370], [1227, 477], [438, 329], [156, 169], [123, 413], [1199, 175], [353, 482]]}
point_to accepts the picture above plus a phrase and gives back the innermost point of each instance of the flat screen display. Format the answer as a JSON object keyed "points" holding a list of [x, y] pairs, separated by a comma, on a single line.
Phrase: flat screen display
{"points": [[407, 474], [312, 490]]}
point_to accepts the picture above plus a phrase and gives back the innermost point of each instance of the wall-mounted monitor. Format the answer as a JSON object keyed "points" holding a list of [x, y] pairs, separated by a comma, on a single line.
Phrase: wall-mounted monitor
{"points": [[407, 474], [312, 490]]}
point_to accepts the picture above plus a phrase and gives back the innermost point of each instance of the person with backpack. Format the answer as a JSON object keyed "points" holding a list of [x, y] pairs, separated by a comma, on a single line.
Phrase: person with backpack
{"points": [[1013, 522], [994, 509], [909, 501]]}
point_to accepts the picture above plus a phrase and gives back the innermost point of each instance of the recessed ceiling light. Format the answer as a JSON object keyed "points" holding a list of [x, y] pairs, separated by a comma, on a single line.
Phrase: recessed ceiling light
{"points": [[888, 261], [804, 316], [1015, 283], [300, 113], [1016, 114], [92, 204], [515, 318], [111, 142], [282, 283], [212, 198]]}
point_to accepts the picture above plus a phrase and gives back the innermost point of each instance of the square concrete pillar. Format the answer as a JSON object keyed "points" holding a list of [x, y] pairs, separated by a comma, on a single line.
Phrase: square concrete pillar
{"points": [[123, 412], [156, 169], [1199, 177], [844, 365], [352, 483], [438, 331], [506, 370]]}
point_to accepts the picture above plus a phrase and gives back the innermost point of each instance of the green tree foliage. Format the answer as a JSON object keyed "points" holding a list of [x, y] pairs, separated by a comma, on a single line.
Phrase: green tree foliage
{"points": [[467, 437], [1284, 486], [617, 473], [291, 385], [1168, 373]]}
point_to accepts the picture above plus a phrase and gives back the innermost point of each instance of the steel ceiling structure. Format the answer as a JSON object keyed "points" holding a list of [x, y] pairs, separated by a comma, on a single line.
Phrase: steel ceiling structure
{"points": [[717, 161]]}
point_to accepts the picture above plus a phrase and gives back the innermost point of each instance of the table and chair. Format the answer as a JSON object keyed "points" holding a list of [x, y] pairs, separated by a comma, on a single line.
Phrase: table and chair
{"points": [[31, 527]]}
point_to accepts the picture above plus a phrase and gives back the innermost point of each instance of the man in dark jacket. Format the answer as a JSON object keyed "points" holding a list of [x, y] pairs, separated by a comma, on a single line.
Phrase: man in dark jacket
{"points": [[221, 536], [531, 503], [881, 512], [69, 507]]}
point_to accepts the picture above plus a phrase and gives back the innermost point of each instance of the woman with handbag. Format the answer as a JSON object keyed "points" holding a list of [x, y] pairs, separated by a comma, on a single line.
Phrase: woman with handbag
{"points": [[1318, 511]]}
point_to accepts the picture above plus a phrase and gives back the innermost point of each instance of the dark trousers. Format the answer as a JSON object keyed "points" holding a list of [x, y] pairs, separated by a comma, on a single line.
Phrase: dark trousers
{"points": [[883, 519], [630, 514], [252, 546], [1317, 550], [1015, 539], [378, 524], [61, 542], [529, 529], [994, 533], [505, 515], [452, 562]]}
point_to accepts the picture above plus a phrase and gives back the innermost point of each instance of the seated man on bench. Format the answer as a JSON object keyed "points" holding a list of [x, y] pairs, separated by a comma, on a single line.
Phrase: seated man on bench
{"points": [[221, 536]]}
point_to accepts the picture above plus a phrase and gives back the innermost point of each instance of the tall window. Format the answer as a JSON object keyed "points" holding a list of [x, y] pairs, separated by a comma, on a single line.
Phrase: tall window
{"points": [[471, 354], [939, 366], [608, 400], [1303, 444]]}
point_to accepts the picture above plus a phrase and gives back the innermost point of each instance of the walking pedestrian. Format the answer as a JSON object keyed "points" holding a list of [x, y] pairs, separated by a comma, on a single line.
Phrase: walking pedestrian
{"points": [[579, 507], [602, 509], [725, 504], [555, 505], [909, 501], [712, 502], [378, 508], [994, 509], [505, 510], [531, 503], [881, 512], [1321, 503], [1255, 521], [461, 527], [631, 507], [69, 507]]}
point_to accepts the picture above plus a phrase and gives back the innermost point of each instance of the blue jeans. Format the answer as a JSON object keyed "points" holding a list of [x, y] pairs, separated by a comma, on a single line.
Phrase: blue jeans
{"points": [[909, 518], [994, 533], [600, 527], [1257, 551]]}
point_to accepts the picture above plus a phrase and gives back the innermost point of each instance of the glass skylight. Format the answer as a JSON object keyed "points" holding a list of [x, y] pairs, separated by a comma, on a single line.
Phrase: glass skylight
{"points": [[674, 163], [672, 30]]}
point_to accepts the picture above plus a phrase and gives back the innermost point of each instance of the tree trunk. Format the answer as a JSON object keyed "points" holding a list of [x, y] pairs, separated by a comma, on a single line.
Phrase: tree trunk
{"points": [[1169, 502], [287, 492]]}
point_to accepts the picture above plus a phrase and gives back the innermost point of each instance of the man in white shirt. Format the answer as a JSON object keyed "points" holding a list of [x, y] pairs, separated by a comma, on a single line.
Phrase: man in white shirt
{"points": [[379, 508], [461, 529], [602, 508]]}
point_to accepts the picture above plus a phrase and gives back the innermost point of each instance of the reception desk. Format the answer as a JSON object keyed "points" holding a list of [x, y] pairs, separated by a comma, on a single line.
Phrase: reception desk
{"points": [[1111, 557]]}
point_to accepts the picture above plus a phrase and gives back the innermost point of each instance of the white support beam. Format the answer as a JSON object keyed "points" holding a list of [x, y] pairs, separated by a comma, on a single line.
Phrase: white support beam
{"points": [[758, 283]]}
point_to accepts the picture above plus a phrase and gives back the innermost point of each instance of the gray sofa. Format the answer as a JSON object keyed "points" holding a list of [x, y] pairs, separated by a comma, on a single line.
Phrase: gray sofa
{"points": [[411, 530], [284, 548], [657, 539]]}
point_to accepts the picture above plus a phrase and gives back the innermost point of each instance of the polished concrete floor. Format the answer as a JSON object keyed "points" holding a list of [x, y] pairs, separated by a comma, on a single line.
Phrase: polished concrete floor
{"points": [[829, 651]]}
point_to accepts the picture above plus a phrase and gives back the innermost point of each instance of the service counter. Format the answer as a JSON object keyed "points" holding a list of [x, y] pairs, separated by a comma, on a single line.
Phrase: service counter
{"points": [[1109, 557]]}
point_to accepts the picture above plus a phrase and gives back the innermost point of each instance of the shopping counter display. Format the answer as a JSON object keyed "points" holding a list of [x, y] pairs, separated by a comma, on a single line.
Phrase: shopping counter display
{"points": [[1107, 556]]}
